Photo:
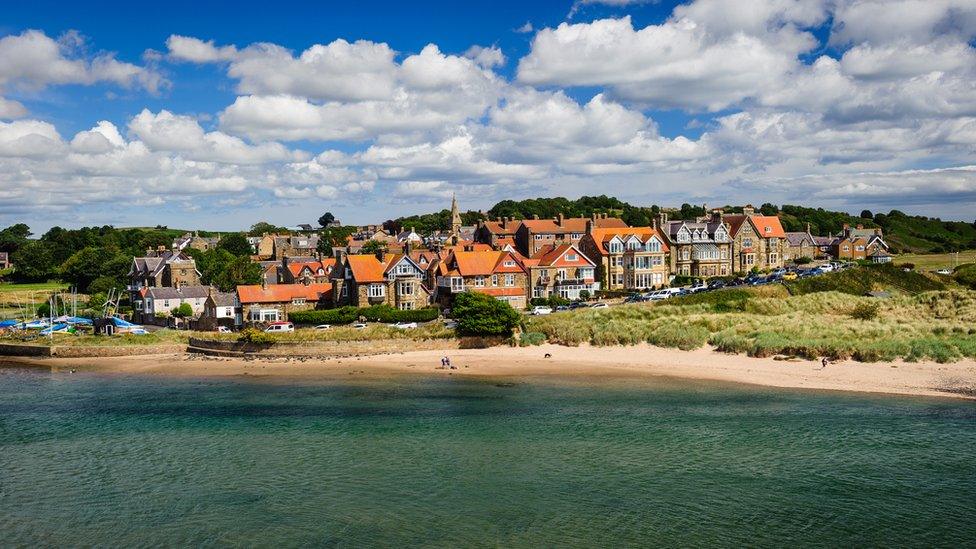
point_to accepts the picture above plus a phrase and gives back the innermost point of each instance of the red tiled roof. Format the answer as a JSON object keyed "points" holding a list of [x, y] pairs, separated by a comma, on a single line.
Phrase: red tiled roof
{"points": [[604, 235], [572, 224], [484, 263], [366, 268], [554, 256], [281, 293], [326, 265], [768, 226]]}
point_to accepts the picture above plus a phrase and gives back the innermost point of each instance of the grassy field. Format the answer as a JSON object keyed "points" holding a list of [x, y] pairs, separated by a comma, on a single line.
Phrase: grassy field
{"points": [[15, 297], [932, 262]]}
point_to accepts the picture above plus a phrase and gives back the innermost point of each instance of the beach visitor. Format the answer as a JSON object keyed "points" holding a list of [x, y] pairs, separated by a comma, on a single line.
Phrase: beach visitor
{"points": [[824, 362]]}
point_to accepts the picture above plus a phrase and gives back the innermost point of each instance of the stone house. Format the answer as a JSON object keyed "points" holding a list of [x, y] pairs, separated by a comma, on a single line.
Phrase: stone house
{"points": [[497, 232], [277, 247], [561, 270], [397, 280], [758, 241], [298, 269], [196, 242], [860, 244], [635, 258], [220, 309], [800, 244], [495, 273], [534, 234], [163, 268], [154, 305], [5, 260], [273, 303], [700, 248]]}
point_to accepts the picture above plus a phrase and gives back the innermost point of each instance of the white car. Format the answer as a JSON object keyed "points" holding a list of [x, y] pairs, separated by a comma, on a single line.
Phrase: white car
{"points": [[826, 268], [541, 310], [659, 295], [223, 330], [599, 306], [359, 326], [944, 272], [404, 325], [699, 287], [280, 327], [450, 324], [324, 327]]}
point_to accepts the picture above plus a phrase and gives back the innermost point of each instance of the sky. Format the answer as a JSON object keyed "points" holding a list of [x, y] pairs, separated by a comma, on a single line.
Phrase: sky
{"points": [[218, 115]]}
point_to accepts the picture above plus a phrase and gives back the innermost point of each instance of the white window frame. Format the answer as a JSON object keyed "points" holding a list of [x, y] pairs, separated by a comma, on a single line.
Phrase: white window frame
{"points": [[376, 290], [509, 280]]}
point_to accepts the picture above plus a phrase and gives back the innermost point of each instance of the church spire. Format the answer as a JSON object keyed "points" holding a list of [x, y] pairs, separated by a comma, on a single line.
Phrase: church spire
{"points": [[455, 218]]}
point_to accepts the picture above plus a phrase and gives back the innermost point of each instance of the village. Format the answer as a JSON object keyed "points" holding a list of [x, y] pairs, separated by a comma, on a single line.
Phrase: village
{"points": [[523, 262]]}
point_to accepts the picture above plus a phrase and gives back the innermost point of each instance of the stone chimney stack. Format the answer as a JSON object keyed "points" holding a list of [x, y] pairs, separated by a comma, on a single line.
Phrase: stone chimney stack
{"points": [[589, 226], [748, 210], [561, 219]]}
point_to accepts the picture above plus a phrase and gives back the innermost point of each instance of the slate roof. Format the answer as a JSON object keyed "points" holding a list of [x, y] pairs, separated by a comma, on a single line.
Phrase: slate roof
{"points": [[185, 292]]}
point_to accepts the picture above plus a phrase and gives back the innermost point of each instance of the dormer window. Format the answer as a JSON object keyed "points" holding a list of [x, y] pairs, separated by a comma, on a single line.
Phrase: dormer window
{"points": [[509, 263], [571, 257]]}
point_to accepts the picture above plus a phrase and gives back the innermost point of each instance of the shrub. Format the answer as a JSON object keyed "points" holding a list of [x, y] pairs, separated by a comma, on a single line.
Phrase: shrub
{"points": [[803, 260], [864, 311], [184, 310], [253, 335], [482, 315], [376, 313], [584, 295], [532, 338]]}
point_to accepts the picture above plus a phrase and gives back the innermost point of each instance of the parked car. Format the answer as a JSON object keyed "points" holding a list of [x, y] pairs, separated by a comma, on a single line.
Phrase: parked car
{"points": [[600, 305], [404, 325], [826, 268], [716, 284], [562, 307], [280, 327], [578, 305], [541, 310], [778, 273], [790, 276], [359, 326], [697, 287], [324, 327], [944, 272], [659, 295], [223, 330]]}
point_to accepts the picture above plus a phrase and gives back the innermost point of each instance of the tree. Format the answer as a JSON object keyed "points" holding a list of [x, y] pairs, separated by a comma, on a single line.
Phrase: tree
{"points": [[768, 209], [263, 227], [236, 244], [584, 295], [866, 214], [13, 237], [183, 311], [326, 219], [103, 284], [83, 267], [481, 315], [373, 246], [239, 271], [34, 262]]}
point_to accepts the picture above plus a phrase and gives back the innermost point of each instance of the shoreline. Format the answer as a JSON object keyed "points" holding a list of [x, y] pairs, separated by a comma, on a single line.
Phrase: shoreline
{"points": [[591, 364]]}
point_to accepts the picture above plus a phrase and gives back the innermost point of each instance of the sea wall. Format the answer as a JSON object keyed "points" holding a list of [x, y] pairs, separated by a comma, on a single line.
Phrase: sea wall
{"points": [[328, 349], [87, 351]]}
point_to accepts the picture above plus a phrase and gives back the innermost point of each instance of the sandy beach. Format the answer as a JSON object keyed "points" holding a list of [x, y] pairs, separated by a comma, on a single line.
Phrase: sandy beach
{"points": [[585, 363]]}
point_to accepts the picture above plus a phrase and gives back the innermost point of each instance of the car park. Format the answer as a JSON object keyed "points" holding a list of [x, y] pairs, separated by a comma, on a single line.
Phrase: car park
{"points": [[280, 327]]}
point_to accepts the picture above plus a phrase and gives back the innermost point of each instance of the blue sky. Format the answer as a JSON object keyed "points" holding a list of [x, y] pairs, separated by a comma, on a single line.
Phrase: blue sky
{"points": [[209, 115]]}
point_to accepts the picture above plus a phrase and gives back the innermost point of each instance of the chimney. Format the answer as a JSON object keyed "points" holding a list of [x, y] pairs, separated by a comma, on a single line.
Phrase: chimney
{"points": [[878, 231], [264, 282], [381, 254], [407, 247], [561, 218], [593, 217], [654, 223], [161, 248], [748, 210], [846, 226], [589, 226]]}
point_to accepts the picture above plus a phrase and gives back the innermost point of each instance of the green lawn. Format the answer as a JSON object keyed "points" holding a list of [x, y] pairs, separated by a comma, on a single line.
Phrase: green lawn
{"points": [[7, 287], [932, 262]]}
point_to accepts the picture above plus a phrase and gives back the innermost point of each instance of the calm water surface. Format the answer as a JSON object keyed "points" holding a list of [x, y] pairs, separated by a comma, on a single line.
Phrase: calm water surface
{"points": [[129, 461]]}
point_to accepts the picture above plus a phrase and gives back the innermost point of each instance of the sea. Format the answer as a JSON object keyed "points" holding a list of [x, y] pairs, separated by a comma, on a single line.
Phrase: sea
{"points": [[131, 461]]}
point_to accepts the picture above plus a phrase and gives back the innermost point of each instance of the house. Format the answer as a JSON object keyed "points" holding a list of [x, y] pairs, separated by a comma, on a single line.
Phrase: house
{"points": [[163, 268], [494, 232], [298, 269], [858, 243], [5, 260], [220, 309], [534, 234], [495, 273], [800, 244], [397, 280], [563, 270], [273, 303], [409, 235], [758, 241], [196, 242], [154, 305], [700, 248], [634, 258], [277, 247]]}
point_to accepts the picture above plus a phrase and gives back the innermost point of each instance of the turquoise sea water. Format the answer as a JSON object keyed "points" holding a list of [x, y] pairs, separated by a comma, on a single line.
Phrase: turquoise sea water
{"points": [[131, 461]]}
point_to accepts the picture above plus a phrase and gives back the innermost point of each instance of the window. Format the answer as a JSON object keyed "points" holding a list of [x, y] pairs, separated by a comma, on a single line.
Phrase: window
{"points": [[538, 291], [406, 306], [633, 244], [560, 274], [653, 245], [750, 259], [494, 280], [686, 254], [166, 304], [616, 247], [376, 290], [576, 236], [657, 278], [859, 248], [657, 261], [725, 253], [509, 280], [457, 284], [479, 281], [345, 291], [405, 288], [847, 248], [229, 311], [509, 263], [725, 270], [571, 257], [773, 258], [298, 301], [746, 242], [538, 237], [584, 273]]}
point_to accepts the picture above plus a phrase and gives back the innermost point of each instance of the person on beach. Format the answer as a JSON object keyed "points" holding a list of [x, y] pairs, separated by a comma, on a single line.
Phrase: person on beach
{"points": [[824, 362]]}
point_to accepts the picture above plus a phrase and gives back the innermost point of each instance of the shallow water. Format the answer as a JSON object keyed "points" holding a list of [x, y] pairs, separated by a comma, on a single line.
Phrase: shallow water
{"points": [[133, 461]]}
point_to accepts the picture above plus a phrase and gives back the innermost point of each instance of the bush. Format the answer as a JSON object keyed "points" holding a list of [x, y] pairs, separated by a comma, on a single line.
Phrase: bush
{"points": [[482, 315], [376, 313], [864, 311], [584, 295], [803, 260], [253, 335], [532, 338], [183, 311]]}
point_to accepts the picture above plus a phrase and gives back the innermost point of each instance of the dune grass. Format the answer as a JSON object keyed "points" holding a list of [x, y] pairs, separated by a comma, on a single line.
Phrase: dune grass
{"points": [[929, 326]]}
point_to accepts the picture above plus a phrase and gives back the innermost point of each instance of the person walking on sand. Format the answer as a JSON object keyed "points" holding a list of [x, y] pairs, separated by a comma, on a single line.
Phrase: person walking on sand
{"points": [[824, 363]]}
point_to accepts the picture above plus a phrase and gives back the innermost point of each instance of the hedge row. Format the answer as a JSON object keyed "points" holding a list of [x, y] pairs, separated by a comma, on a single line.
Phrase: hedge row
{"points": [[376, 313]]}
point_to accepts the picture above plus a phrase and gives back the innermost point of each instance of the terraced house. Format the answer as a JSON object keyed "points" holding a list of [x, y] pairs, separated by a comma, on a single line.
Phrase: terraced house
{"points": [[758, 241], [700, 248], [535, 234], [561, 270], [496, 273], [396, 280], [633, 258]]}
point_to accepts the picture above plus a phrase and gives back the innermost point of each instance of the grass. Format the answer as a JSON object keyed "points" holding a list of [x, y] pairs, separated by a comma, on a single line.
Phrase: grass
{"points": [[15, 297], [861, 280], [931, 325], [933, 262], [8, 287]]}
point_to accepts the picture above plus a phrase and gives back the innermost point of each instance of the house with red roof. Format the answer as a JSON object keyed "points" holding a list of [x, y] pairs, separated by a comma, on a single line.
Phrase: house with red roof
{"points": [[495, 273], [758, 241], [299, 269], [534, 234], [632, 258], [273, 302], [563, 270], [397, 280]]}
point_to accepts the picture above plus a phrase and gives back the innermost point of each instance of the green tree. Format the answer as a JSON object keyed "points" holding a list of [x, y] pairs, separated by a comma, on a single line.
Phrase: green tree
{"points": [[326, 219], [481, 315], [183, 311], [263, 227], [373, 246], [236, 244], [866, 214], [13, 237], [211, 263], [239, 271], [103, 284], [83, 267], [34, 262], [768, 209]]}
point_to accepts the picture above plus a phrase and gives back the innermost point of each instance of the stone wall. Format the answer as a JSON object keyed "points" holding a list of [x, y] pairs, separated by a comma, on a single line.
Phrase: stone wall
{"points": [[88, 351], [330, 349]]}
